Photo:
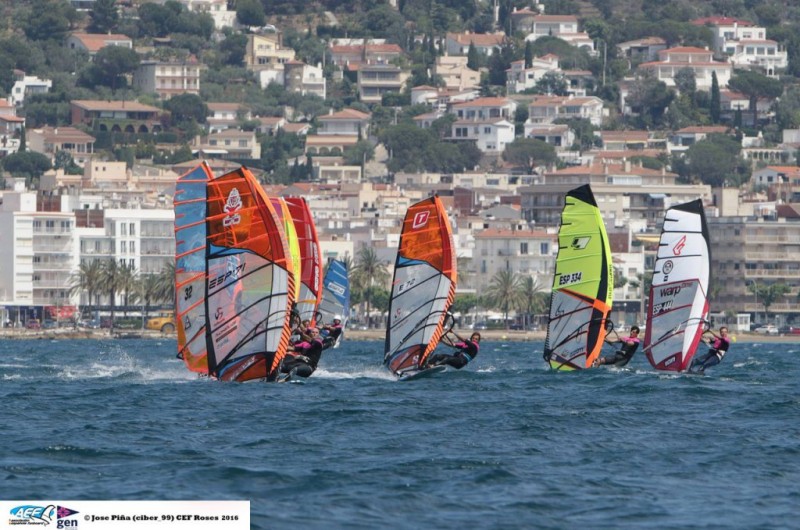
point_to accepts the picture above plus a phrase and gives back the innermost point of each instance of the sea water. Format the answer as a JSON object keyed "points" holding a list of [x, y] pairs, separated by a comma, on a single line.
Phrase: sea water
{"points": [[504, 443]]}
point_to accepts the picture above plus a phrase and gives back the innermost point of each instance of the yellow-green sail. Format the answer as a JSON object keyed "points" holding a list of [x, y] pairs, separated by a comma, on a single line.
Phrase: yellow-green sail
{"points": [[583, 285], [282, 209]]}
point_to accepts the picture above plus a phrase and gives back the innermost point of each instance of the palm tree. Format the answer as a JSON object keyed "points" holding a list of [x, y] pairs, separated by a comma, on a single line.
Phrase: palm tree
{"points": [[768, 294], [127, 284], [165, 291], [111, 279], [147, 290], [367, 272], [532, 298], [87, 279], [505, 291]]}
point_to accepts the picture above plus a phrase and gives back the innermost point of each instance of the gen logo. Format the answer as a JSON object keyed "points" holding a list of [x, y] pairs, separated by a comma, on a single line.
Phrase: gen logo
{"points": [[421, 219]]}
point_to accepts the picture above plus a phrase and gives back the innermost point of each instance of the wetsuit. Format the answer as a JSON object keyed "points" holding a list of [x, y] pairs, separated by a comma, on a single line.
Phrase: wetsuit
{"points": [[719, 347], [467, 351], [304, 360], [623, 355], [334, 332]]}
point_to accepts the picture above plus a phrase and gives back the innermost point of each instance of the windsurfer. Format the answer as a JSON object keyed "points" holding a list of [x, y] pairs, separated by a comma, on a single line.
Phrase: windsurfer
{"points": [[305, 357], [719, 347], [467, 350], [623, 355], [332, 332]]}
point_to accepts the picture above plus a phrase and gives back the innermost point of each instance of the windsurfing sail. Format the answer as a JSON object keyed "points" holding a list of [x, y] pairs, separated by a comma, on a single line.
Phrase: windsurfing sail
{"points": [[678, 306], [250, 286], [335, 295], [281, 209], [423, 287], [310, 292], [583, 285], [190, 266]]}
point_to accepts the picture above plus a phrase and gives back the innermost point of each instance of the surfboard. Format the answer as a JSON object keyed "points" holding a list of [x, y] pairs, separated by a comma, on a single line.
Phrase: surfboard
{"points": [[422, 373]]}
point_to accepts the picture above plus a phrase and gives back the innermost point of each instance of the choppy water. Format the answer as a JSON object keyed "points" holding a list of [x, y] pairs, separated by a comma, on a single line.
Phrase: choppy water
{"points": [[504, 443]]}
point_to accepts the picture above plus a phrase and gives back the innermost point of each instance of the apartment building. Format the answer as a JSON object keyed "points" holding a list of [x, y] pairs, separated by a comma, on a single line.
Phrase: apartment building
{"points": [[699, 60], [168, 79], [377, 80], [525, 252], [50, 140], [755, 250]]}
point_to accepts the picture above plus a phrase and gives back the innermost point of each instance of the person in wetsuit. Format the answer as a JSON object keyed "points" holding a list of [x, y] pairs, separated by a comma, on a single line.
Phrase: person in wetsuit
{"points": [[467, 350], [305, 357], [719, 347], [334, 331], [623, 355]]}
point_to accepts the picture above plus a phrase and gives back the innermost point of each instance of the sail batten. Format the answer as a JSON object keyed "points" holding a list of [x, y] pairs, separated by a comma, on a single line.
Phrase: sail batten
{"points": [[423, 286], [678, 303], [583, 285]]}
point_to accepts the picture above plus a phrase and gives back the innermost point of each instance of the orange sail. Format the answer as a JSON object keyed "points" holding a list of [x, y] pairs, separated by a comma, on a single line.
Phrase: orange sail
{"points": [[423, 288], [250, 281], [190, 266], [310, 275]]}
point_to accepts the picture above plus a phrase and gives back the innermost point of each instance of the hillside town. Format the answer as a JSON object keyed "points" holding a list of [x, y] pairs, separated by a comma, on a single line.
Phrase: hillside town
{"points": [[499, 123]]}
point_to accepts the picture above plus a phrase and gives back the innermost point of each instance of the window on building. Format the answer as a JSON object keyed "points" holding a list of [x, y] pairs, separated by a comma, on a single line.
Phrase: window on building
{"points": [[133, 229], [483, 266], [123, 229], [124, 247], [544, 248], [523, 248]]}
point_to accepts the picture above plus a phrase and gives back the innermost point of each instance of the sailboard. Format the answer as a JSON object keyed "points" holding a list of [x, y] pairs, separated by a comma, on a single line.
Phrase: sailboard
{"points": [[189, 204], [335, 296], [583, 285], [310, 258], [281, 209], [423, 287], [250, 281], [427, 372], [678, 305]]}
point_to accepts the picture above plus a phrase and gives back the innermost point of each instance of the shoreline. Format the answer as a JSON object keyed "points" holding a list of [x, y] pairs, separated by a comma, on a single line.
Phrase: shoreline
{"points": [[372, 334]]}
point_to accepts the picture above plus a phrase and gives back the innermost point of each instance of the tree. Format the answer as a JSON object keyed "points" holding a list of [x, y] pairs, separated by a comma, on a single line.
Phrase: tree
{"points": [[649, 97], [147, 291], [87, 279], [473, 57], [109, 67], [530, 153], [533, 298], [368, 271], [715, 161], [165, 284], [49, 20], [250, 13], [111, 278], [755, 85], [716, 105], [127, 285], [26, 164], [505, 291], [552, 84], [528, 54], [464, 303], [768, 294], [186, 109], [104, 16]]}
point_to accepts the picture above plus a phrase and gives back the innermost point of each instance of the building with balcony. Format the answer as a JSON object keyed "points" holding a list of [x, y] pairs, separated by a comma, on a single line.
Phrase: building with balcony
{"points": [[27, 85], [50, 140], [39, 257], [377, 80], [116, 116], [755, 251], [524, 252], [168, 79], [698, 60]]}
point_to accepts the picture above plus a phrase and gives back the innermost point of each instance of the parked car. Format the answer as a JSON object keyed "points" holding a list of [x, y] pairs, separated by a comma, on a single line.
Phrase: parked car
{"points": [[89, 324], [767, 329], [164, 322], [789, 330], [33, 323]]}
